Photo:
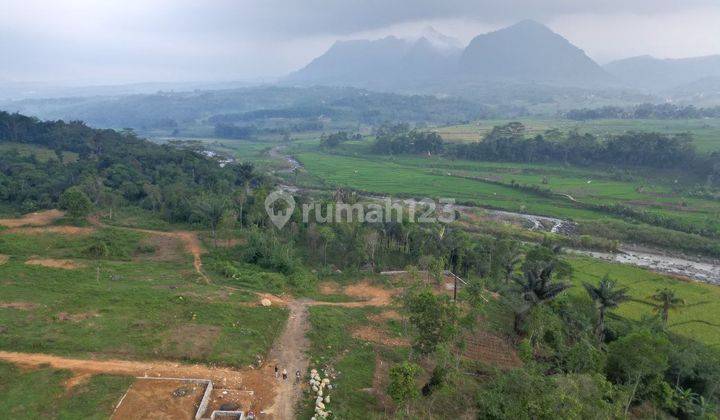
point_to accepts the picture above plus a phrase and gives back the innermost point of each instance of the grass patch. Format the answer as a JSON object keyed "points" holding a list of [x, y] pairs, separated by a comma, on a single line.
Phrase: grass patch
{"points": [[126, 309], [40, 393], [138, 218], [332, 344], [115, 243], [95, 398]]}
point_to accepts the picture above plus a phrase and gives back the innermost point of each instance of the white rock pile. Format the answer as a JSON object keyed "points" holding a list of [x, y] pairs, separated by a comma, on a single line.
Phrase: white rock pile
{"points": [[321, 388]]}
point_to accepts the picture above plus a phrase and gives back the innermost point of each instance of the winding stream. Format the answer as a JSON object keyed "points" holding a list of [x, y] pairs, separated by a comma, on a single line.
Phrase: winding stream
{"points": [[699, 269], [704, 271]]}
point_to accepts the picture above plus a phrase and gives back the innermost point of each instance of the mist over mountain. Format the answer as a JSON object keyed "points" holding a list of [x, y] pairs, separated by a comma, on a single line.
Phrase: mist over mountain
{"points": [[525, 65], [382, 63], [657, 74], [527, 52]]}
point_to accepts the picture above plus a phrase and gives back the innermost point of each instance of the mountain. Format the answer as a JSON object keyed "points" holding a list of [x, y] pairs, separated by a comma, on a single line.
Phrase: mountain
{"points": [[529, 52], [525, 53], [426, 60], [382, 63], [663, 74], [355, 63]]}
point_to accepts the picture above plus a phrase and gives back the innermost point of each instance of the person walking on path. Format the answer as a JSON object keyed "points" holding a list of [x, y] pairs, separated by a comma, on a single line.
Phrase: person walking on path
{"points": [[276, 372], [297, 376], [284, 373]]}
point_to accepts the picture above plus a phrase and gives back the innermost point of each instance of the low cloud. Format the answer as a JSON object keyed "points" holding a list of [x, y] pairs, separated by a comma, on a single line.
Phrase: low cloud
{"points": [[119, 41]]}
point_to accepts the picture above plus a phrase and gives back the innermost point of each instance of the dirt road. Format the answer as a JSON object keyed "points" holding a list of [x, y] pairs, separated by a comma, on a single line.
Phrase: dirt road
{"points": [[289, 352], [41, 218], [222, 376]]}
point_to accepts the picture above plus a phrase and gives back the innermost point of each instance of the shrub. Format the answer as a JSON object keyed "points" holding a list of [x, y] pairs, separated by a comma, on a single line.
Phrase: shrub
{"points": [[75, 203]]}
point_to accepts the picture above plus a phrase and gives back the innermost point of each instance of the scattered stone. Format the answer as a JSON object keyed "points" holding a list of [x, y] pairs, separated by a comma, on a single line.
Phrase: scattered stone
{"points": [[266, 302], [181, 392]]}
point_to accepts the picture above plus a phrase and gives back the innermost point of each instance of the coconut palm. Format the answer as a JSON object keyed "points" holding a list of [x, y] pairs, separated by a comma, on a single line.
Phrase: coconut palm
{"points": [[606, 295], [666, 301], [536, 287]]}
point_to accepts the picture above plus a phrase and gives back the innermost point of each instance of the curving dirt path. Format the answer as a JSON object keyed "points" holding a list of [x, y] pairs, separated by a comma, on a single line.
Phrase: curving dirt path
{"points": [[190, 239], [192, 245]]}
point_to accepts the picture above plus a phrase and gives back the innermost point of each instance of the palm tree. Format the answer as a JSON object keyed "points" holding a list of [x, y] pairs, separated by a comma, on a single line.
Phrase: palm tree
{"points": [[510, 256], [666, 301], [536, 287], [606, 296]]}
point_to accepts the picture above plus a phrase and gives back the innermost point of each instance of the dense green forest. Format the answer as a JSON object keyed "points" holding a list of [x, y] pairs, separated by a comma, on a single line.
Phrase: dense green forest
{"points": [[112, 168]]}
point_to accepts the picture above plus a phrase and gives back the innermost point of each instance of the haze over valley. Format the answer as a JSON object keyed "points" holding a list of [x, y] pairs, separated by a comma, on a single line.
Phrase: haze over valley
{"points": [[418, 209]]}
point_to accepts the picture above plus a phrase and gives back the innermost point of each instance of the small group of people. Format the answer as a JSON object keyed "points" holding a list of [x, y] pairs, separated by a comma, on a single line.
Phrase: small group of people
{"points": [[284, 374]]}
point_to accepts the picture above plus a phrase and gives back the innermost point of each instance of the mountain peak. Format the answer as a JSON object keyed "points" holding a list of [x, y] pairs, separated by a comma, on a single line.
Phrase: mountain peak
{"points": [[528, 23], [530, 52], [438, 39]]}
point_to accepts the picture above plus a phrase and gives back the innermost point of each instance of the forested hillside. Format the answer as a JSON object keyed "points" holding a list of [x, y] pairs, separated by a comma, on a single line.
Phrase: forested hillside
{"points": [[110, 167], [257, 110]]}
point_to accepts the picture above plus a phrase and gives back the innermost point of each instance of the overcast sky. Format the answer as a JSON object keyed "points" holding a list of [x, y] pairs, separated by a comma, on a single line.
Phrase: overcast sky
{"points": [[123, 41]]}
